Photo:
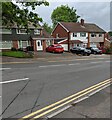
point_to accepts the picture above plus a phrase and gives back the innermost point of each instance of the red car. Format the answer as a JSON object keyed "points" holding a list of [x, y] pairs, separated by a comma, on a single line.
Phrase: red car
{"points": [[56, 48]]}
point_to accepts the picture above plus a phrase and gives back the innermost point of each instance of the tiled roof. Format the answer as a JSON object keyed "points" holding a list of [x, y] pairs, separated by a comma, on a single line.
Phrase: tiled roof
{"points": [[30, 26], [46, 34], [77, 27]]}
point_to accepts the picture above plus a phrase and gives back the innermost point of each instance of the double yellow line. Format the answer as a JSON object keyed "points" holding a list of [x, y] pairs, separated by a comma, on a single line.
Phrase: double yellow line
{"points": [[65, 101]]}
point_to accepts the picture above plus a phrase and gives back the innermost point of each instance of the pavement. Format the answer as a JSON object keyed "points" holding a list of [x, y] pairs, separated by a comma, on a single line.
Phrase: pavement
{"points": [[43, 56], [97, 106]]}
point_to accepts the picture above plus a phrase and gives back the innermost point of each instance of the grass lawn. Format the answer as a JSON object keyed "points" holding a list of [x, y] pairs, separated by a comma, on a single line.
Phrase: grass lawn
{"points": [[17, 54]]}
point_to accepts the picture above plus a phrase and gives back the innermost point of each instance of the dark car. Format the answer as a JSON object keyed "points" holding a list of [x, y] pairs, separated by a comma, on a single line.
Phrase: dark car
{"points": [[95, 50], [56, 48], [81, 50]]}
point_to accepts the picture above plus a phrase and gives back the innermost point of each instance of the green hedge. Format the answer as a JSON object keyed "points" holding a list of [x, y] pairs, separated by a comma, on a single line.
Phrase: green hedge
{"points": [[109, 50], [17, 54]]}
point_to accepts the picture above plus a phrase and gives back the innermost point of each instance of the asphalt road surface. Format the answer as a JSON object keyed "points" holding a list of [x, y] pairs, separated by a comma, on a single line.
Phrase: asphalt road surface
{"points": [[27, 87]]}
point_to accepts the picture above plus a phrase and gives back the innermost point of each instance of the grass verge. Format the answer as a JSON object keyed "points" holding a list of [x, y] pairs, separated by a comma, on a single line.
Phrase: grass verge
{"points": [[17, 54]]}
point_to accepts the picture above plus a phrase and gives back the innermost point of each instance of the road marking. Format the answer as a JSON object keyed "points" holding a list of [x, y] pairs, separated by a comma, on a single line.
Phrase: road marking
{"points": [[53, 65], [15, 62], [58, 65], [11, 81], [74, 64], [97, 62], [5, 68], [63, 101], [107, 61], [76, 59]]}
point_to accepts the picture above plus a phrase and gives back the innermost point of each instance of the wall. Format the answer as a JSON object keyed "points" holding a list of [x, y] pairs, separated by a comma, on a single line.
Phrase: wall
{"points": [[83, 39], [97, 38], [61, 31]]}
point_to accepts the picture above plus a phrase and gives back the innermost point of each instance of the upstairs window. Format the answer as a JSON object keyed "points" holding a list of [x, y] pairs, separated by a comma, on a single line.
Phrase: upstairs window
{"points": [[37, 32], [100, 35], [82, 34], [74, 34], [57, 35], [93, 34], [22, 31]]}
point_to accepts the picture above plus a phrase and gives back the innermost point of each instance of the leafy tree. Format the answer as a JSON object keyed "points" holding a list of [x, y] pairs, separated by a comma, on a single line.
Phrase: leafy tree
{"points": [[47, 27], [64, 14], [19, 13], [110, 33]]}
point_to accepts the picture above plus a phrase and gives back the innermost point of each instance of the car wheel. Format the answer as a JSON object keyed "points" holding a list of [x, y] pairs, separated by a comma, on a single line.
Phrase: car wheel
{"points": [[94, 53], [82, 54]]}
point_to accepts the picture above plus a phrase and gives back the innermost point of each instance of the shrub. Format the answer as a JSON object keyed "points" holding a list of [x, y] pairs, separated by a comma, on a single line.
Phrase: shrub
{"points": [[13, 49], [29, 48], [109, 50]]}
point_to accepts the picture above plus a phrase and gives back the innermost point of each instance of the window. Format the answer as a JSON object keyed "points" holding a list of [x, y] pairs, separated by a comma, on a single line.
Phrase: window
{"points": [[38, 43], [23, 44], [100, 35], [57, 35], [5, 44], [82, 34], [37, 32], [93, 34], [47, 42], [74, 34], [22, 31], [5, 31]]}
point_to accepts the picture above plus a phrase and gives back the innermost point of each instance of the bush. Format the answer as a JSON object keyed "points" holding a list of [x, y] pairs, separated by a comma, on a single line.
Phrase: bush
{"points": [[20, 49], [13, 49], [29, 48], [109, 50]]}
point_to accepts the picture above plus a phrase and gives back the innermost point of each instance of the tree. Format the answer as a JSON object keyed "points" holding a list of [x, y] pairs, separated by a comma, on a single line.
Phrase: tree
{"points": [[19, 13], [110, 33], [64, 14], [47, 27]]}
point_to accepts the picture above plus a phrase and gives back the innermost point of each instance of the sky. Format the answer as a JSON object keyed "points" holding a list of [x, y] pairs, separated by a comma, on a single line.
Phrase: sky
{"points": [[91, 12]]}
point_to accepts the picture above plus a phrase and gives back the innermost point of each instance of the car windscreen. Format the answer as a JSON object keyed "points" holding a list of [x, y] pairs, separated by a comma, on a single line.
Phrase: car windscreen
{"points": [[58, 46], [95, 48]]}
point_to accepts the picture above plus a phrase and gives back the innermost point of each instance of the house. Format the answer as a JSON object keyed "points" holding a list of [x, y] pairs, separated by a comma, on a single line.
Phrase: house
{"points": [[21, 38], [78, 34]]}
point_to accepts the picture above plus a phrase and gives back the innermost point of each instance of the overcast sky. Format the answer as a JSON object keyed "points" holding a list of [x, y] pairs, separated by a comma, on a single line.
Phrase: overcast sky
{"points": [[91, 12]]}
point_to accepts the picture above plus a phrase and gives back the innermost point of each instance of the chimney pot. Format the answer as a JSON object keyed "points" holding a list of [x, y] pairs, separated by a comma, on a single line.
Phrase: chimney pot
{"points": [[82, 22]]}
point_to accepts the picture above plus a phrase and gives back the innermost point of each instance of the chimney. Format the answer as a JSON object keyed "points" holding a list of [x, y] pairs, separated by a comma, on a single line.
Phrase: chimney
{"points": [[82, 22]]}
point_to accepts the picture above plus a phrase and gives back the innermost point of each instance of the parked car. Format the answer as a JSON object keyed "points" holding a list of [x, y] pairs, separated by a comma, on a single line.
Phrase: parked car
{"points": [[103, 49], [81, 50], [55, 48], [95, 50]]}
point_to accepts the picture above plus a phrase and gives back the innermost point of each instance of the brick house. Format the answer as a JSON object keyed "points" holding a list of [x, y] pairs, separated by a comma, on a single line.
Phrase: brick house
{"points": [[78, 34], [20, 38]]}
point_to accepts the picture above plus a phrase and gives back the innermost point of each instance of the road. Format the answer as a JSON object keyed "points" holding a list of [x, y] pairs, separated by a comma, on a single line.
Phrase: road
{"points": [[27, 87]]}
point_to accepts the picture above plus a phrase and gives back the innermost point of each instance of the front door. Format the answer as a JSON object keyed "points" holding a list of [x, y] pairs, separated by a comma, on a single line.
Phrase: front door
{"points": [[39, 45]]}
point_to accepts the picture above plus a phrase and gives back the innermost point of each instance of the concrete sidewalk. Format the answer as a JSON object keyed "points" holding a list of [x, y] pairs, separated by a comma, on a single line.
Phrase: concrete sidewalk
{"points": [[51, 56], [97, 106]]}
